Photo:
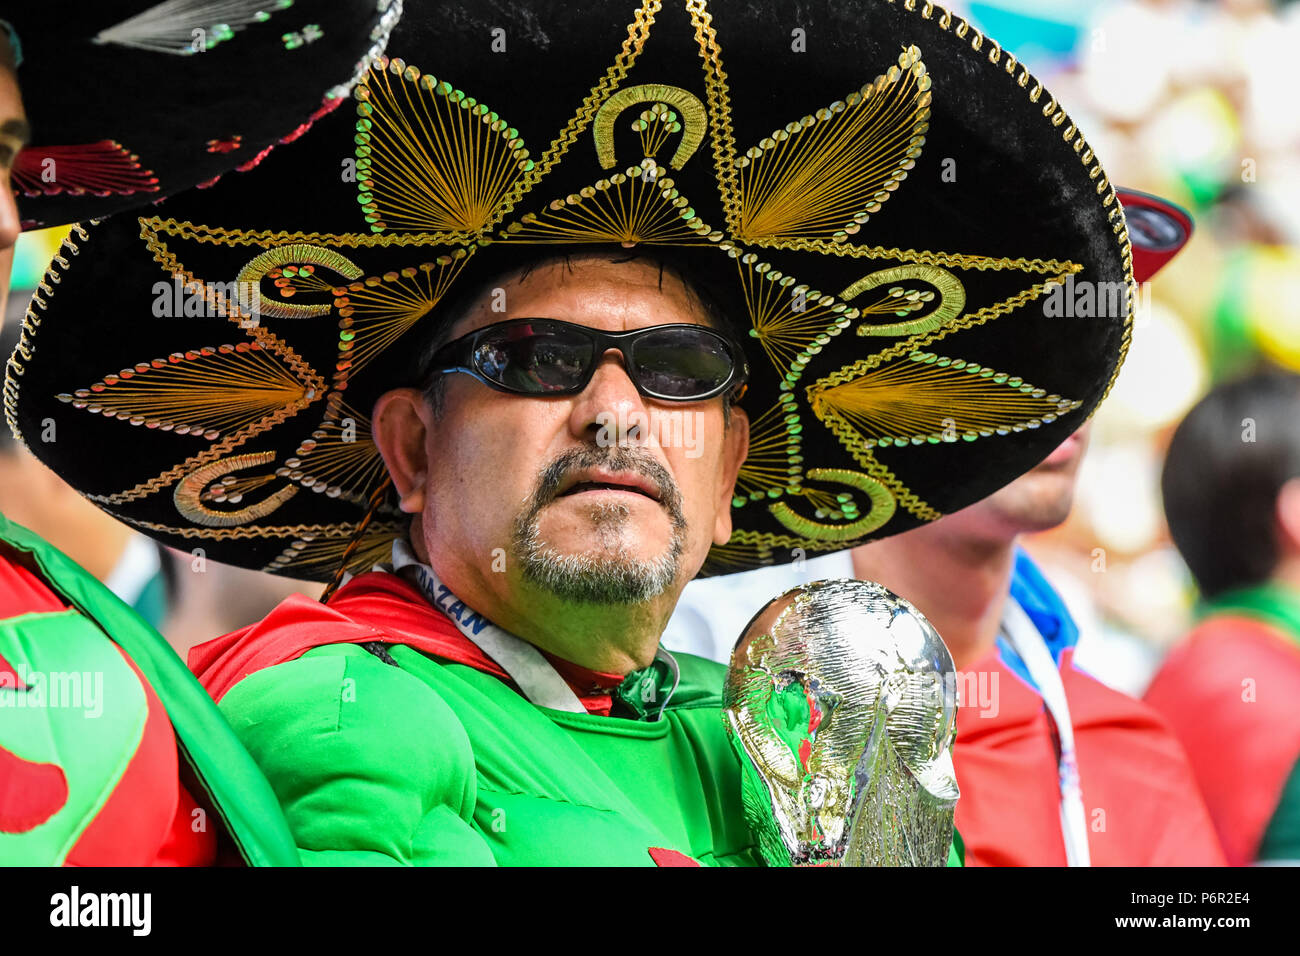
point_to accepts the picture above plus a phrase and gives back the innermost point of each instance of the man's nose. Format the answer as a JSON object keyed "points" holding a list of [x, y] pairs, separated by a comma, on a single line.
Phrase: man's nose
{"points": [[610, 405]]}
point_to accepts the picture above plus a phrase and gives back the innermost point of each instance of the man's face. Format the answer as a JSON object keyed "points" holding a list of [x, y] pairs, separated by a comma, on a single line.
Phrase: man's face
{"points": [[579, 508], [1036, 501], [13, 135]]}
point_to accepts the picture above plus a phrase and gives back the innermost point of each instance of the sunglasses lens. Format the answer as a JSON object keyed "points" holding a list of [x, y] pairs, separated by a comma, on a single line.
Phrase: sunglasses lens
{"points": [[682, 363], [533, 359]]}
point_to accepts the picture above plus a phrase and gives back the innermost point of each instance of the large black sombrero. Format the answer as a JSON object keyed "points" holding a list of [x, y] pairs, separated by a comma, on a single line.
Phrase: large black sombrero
{"points": [[133, 100], [927, 263]]}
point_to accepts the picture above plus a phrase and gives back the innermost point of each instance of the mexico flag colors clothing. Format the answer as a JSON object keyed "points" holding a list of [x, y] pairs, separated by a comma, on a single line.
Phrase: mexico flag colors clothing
{"points": [[391, 738], [1230, 693]]}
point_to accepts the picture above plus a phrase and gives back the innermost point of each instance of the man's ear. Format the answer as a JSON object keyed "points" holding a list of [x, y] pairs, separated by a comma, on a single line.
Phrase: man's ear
{"points": [[735, 447], [400, 428]]}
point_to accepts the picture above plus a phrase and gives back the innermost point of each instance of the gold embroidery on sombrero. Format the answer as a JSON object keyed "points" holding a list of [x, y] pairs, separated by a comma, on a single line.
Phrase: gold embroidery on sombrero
{"points": [[967, 321], [312, 384], [221, 305], [825, 175], [26, 345], [930, 399], [1057, 116], [903, 299], [638, 205], [774, 463], [374, 312], [151, 228], [881, 510], [206, 392], [340, 458], [655, 124], [951, 260], [430, 158], [721, 136], [910, 502], [244, 532], [637, 34], [192, 491], [322, 553], [748, 549], [285, 264], [787, 319]]}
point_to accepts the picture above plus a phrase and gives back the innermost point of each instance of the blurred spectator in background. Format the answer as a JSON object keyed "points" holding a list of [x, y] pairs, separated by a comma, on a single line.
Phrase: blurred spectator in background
{"points": [[1232, 690]]}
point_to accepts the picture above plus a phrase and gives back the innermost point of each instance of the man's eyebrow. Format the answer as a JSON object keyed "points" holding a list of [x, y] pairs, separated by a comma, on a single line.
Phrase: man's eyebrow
{"points": [[17, 128]]}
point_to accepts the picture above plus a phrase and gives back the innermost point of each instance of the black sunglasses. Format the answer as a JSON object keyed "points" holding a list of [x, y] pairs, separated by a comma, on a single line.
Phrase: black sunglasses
{"points": [[674, 363]]}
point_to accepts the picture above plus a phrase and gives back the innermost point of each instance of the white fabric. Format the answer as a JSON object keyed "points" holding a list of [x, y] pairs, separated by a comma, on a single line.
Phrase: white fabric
{"points": [[1032, 649], [714, 612], [137, 566]]}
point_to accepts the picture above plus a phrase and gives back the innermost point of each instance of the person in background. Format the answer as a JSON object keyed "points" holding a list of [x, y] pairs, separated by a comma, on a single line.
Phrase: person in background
{"points": [[1231, 689]]}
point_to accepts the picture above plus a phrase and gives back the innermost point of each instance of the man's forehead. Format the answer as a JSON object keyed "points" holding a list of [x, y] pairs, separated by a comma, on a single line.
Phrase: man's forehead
{"points": [[604, 291]]}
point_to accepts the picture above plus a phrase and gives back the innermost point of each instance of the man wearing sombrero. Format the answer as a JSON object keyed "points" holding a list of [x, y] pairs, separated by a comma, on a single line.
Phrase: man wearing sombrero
{"points": [[437, 335]]}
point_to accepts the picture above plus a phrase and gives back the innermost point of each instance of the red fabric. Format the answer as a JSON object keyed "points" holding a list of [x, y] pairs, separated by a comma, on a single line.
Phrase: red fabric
{"points": [[191, 839], [371, 607], [1139, 796], [1229, 692], [594, 688], [140, 819], [375, 606], [22, 591], [30, 792], [664, 857]]}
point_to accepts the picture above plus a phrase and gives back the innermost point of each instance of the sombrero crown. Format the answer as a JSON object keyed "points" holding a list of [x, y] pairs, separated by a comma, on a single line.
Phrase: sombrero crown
{"points": [[926, 263]]}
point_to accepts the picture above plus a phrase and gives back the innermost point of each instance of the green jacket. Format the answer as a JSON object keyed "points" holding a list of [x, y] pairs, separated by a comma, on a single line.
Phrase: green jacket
{"points": [[94, 754]]}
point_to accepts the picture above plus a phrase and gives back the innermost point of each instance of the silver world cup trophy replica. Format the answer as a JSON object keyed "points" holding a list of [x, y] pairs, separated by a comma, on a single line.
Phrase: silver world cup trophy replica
{"points": [[841, 702]]}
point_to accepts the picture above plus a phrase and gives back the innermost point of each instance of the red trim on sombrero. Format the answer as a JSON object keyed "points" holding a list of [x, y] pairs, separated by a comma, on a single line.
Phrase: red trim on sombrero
{"points": [[1146, 261]]}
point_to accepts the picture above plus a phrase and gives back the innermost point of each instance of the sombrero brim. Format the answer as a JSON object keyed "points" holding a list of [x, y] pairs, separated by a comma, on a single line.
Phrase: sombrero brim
{"points": [[131, 101], [925, 259]]}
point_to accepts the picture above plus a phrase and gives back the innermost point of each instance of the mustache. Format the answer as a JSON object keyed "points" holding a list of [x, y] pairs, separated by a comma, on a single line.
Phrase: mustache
{"points": [[614, 459]]}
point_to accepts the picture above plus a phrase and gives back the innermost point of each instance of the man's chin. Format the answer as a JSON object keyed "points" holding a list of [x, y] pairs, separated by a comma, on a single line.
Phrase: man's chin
{"points": [[593, 547]]}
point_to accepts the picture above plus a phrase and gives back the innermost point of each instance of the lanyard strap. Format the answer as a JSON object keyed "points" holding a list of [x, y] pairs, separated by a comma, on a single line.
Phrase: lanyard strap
{"points": [[531, 672], [1029, 645]]}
